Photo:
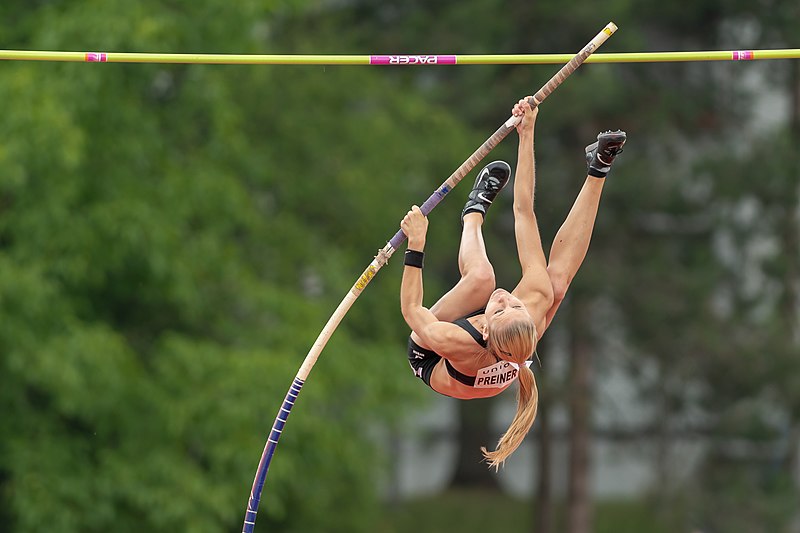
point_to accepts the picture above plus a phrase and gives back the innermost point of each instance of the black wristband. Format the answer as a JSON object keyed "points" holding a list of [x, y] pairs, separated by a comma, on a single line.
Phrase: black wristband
{"points": [[414, 258]]}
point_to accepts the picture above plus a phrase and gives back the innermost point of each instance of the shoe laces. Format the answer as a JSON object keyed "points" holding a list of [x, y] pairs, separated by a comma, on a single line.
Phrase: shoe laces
{"points": [[492, 184]]}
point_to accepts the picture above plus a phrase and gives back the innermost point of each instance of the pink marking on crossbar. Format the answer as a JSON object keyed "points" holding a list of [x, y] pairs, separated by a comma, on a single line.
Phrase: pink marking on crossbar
{"points": [[743, 55], [412, 60], [96, 57]]}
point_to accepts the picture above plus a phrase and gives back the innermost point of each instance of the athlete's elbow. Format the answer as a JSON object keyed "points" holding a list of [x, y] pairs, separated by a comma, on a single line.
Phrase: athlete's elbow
{"points": [[523, 210], [408, 312]]}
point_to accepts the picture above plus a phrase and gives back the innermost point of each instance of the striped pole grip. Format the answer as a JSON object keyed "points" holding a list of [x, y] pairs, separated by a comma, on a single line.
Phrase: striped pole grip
{"points": [[454, 179], [573, 64], [501, 132]]}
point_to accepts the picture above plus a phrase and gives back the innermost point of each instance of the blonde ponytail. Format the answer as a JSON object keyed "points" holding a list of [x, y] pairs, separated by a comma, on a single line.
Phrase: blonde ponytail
{"points": [[516, 342]]}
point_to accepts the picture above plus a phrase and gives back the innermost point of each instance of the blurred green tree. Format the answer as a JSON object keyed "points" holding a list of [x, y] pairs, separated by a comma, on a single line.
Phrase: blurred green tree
{"points": [[172, 240]]}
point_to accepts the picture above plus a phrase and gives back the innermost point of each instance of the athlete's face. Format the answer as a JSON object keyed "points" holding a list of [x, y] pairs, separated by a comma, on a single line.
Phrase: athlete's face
{"points": [[503, 307]]}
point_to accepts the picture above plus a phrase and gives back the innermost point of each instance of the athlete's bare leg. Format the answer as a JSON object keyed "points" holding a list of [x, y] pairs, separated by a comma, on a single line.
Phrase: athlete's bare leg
{"points": [[572, 240], [477, 274]]}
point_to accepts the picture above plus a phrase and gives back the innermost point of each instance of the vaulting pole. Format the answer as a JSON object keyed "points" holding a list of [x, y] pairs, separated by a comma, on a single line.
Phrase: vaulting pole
{"points": [[383, 257]]}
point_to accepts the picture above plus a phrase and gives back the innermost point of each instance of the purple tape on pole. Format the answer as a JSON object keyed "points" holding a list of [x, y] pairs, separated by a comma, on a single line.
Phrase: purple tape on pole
{"points": [[266, 456], [743, 55], [437, 196], [413, 60], [96, 57]]}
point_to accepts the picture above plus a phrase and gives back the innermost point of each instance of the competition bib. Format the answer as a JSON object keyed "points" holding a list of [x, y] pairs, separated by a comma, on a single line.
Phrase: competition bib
{"points": [[498, 375]]}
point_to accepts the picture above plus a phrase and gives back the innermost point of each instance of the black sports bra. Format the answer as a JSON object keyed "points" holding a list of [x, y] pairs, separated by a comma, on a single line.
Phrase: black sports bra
{"points": [[467, 326]]}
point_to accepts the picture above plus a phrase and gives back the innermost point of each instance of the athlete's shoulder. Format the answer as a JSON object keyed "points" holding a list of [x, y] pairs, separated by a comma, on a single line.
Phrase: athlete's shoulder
{"points": [[447, 339]]}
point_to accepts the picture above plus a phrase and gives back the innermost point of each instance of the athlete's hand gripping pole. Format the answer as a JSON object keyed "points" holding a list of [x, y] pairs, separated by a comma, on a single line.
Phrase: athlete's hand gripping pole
{"points": [[383, 257]]}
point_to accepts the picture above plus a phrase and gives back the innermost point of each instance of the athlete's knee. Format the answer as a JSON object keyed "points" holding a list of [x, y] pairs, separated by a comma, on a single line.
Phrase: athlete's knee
{"points": [[481, 278]]}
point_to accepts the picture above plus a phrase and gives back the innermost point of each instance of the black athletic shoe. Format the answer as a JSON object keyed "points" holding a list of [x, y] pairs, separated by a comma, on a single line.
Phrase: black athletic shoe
{"points": [[601, 154], [489, 182]]}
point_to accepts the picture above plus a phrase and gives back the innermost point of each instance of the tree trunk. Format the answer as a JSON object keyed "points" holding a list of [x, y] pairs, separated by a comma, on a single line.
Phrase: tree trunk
{"points": [[393, 496], [579, 513], [543, 518], [474, 431], [543, 502]]}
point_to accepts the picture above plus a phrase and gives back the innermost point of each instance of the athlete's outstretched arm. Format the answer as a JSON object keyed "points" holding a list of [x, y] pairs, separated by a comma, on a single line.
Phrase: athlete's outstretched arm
{"points": [[534, 288], [433, 333]]}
